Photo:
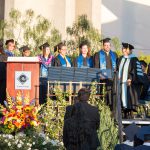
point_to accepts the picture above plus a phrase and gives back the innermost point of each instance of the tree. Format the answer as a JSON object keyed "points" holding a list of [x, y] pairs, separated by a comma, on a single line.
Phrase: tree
{"points": [[83, 30], [29, 29]]}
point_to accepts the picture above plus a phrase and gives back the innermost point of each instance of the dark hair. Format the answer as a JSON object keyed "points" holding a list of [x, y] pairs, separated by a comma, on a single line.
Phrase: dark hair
{"points": [[83, 91], [60, 45], [85, 44], [148, 71]]}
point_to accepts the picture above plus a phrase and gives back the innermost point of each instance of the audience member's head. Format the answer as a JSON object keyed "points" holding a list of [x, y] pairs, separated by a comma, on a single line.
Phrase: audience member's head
{"points": [[84, 94]]}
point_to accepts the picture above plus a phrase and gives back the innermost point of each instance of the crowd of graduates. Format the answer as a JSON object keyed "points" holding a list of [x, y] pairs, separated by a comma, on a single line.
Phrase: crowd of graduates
{"points": [[133, 77], [133, 74]]}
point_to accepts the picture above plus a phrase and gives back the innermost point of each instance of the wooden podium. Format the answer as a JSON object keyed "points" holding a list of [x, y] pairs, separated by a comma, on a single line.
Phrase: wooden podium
{"points": [[23, 75]]}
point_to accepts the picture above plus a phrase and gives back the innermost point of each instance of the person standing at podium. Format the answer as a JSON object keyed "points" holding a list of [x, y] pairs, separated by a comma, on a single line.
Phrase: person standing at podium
{"points": [[62, 60], [3, 58], [84, 60], [10, 47], [25, 50], [46, 59], [106, 59]]}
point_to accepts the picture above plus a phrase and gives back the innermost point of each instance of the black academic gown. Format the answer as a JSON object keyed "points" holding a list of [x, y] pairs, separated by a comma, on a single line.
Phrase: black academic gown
{"points": [[148, 71], [144, 88], [57, 62], [132, 94], [75, 62], [2, 82], [109, 82]]}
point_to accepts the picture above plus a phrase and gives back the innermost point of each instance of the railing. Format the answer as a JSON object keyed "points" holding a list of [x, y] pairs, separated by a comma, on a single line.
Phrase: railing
{"points": [[72, 88]]}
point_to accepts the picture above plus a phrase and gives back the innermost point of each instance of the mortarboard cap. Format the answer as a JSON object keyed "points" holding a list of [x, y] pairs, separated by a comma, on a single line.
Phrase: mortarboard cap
{"points": [[127, 45], [56, 47], [43, 46], [142, 62], [106, 40], [8, 41], [24, 48], [131, 131], [143, 133]]}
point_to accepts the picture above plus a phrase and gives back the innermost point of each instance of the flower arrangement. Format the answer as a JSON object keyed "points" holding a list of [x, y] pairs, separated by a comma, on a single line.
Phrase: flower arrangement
{"points": [[19, 113]]}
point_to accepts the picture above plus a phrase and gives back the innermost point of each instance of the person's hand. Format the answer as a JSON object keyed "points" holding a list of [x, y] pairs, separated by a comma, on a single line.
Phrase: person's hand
{"points": [[129, 82]]}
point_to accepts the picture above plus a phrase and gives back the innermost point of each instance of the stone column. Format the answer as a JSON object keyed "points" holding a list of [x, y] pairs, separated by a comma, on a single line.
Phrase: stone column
{"points": [[2, 5], [9, 4]]}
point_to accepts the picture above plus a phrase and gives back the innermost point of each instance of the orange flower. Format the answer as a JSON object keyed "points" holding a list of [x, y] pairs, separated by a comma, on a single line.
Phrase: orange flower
{"points": [[28, 120]]}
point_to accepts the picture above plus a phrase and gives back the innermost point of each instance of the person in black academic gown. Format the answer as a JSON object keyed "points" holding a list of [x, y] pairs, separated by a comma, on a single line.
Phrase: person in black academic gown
{"points": [[3, 57], [84, 60], [145, 87], [10, 47], [131, 78], [62, 59], [106, 59]]}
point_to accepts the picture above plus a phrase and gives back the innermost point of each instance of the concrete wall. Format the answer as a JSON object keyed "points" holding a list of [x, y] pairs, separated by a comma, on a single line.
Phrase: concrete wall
{"points": [[62, 13], [2, 7], [130, 22]]}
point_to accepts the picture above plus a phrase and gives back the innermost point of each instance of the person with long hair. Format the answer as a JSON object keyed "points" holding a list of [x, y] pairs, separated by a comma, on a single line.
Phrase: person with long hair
{"points": [[80, 127], [84, 60], [46, 59], [62, 60]]}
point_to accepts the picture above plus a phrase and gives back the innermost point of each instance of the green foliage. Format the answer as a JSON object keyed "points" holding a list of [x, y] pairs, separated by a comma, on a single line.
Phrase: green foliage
{"points": [[144, 57], [29, 29], [108, 132], [83, 30], [52, 115]]}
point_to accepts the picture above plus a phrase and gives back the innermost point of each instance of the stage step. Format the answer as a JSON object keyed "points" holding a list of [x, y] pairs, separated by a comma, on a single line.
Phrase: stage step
{"points": [[136, 121]]}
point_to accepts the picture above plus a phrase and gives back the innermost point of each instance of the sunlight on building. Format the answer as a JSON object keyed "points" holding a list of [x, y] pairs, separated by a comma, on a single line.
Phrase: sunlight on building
{"points": [[143, 2], [107, 15]]}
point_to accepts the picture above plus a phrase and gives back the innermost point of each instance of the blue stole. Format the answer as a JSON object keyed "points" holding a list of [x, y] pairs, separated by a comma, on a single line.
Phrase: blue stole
{"points": [[62, 60], [8, 53], [80, 62], [103, 59]]}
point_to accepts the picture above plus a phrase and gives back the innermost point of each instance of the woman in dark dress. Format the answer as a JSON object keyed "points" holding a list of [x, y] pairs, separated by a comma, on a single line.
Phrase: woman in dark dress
{"points": [[84, 60]]}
